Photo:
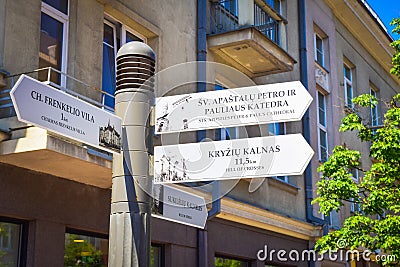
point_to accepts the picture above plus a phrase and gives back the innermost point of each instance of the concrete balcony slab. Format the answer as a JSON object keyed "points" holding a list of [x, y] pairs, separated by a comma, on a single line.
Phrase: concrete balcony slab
{"points": [[38, 150], [250, 51]]}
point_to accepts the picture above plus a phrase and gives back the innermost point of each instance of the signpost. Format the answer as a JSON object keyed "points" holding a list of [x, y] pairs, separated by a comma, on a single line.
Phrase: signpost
{"points": [[46, 107], [232, 159], [279, 102], [179, 206]]}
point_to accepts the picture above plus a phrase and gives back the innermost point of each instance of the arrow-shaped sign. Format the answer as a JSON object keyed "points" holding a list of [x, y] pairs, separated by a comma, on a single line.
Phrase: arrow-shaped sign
{"points": [[179, 206], [232, 159], [279, 102], [46, 107]]}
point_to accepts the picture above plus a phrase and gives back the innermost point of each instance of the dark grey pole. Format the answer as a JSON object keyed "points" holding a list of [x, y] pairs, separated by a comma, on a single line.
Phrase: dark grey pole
{"points": [[129, 240]]}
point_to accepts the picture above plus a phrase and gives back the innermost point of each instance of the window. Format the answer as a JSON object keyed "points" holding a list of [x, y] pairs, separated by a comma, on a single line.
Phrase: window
{"points": [[156, 255], [348, 85], [115, 35], [334, 220], [231, 6], [85, 250], [88, 249], [108, 75], [226, 262], [225, 133], [354, 175], [319, 49], [10, 247], [278, 128], [322, 129], [61, 5], [375, 109], [53, 40], [354, 207], [275, 4]]}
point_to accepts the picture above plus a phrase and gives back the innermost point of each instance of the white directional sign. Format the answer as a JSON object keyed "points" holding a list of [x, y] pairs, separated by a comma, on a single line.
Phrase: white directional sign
{"points": [[46, 107], [259, 104], [241, 158], [179, 206]]}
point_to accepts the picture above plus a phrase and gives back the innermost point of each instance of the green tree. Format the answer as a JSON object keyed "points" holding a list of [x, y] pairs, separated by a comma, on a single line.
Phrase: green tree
{"points": [[376, 225], [396, 45]]}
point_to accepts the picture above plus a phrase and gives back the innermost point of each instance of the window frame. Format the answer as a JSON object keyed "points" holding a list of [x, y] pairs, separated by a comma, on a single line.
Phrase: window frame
{"points": [[223, 132], [348, 82], [316, 50], [333, 218], [374, 111], [119, 39], [321, 127], [64, 20], [115, 45], [279, 127], [23, 238], [245, 261], [355, 207], [126, 28], [161, 256], [86, 234], [277, 9], [234, 10]]}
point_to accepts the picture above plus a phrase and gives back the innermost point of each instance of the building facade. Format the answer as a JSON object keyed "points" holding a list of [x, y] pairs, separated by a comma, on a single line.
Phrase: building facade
{"points": [[55, 193]]}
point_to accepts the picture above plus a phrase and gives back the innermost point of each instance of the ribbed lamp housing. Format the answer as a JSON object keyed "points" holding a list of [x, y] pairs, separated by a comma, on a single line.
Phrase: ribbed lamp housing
{"points": [[135, 67]]}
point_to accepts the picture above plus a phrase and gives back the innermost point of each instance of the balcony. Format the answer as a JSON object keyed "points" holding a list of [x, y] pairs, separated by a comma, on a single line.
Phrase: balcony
{"points": [[249, 36], [36, 149]]}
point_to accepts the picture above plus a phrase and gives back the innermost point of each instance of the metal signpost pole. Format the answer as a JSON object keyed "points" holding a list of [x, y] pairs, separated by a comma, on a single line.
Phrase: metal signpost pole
{"points": [[129, 240]]}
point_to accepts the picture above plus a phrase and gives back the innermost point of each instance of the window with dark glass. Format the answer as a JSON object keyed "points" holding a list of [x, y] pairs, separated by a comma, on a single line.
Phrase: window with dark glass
{"points": [[322, 129], [53, 40], [61, 5], [156, 255], [91, 250], [10, 244], [275, 4], [348, 85], [278, 128], [230, 5], [319, 50], [115, 35], [374, 109], [85, 250], [227, 262], [225, 133], [109, 51]]}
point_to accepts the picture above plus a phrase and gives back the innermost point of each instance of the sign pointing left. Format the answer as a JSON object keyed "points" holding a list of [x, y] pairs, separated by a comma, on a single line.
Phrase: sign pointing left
{"points": [[46, 107]]}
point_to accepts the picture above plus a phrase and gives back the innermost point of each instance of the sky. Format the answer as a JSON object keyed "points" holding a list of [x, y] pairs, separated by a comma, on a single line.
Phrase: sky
{"points": [[386, 10]]}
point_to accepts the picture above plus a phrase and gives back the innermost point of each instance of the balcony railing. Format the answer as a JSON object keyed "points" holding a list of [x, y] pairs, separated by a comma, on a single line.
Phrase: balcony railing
{"points": [[266, 24], [46, 75], [224, 18]]}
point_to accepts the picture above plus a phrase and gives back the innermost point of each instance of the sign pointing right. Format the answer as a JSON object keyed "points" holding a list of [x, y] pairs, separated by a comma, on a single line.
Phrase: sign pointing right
{"points": [[279, 102], [232, 159]]}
